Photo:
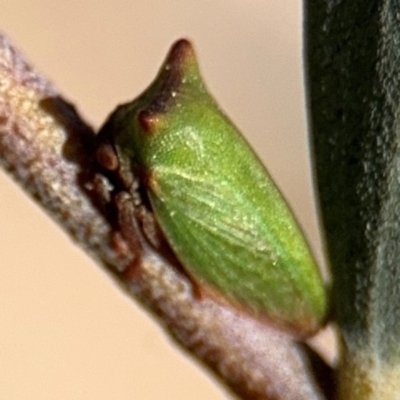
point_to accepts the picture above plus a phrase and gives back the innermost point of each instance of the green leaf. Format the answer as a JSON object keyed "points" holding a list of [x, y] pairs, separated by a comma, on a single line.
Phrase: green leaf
{"points": [[353, 59]]}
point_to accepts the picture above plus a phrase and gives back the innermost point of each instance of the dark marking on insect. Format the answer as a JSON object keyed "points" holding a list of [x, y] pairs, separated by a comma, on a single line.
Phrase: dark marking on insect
{"points": [[149, 121]]}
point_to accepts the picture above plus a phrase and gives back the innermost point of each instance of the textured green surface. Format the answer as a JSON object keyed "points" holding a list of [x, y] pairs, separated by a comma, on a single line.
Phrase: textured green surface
{"points": [[219, 209], [353, 51]]}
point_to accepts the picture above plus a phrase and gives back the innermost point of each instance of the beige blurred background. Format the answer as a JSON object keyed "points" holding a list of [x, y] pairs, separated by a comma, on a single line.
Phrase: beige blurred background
{"points": [[66, 330]]}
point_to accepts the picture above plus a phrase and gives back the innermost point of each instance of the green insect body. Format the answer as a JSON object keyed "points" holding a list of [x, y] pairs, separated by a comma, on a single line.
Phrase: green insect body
{"points": [[213, 199]]}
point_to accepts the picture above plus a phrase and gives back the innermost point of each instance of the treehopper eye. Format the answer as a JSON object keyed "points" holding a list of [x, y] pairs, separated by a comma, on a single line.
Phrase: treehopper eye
{"points": [[218, 208]]}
